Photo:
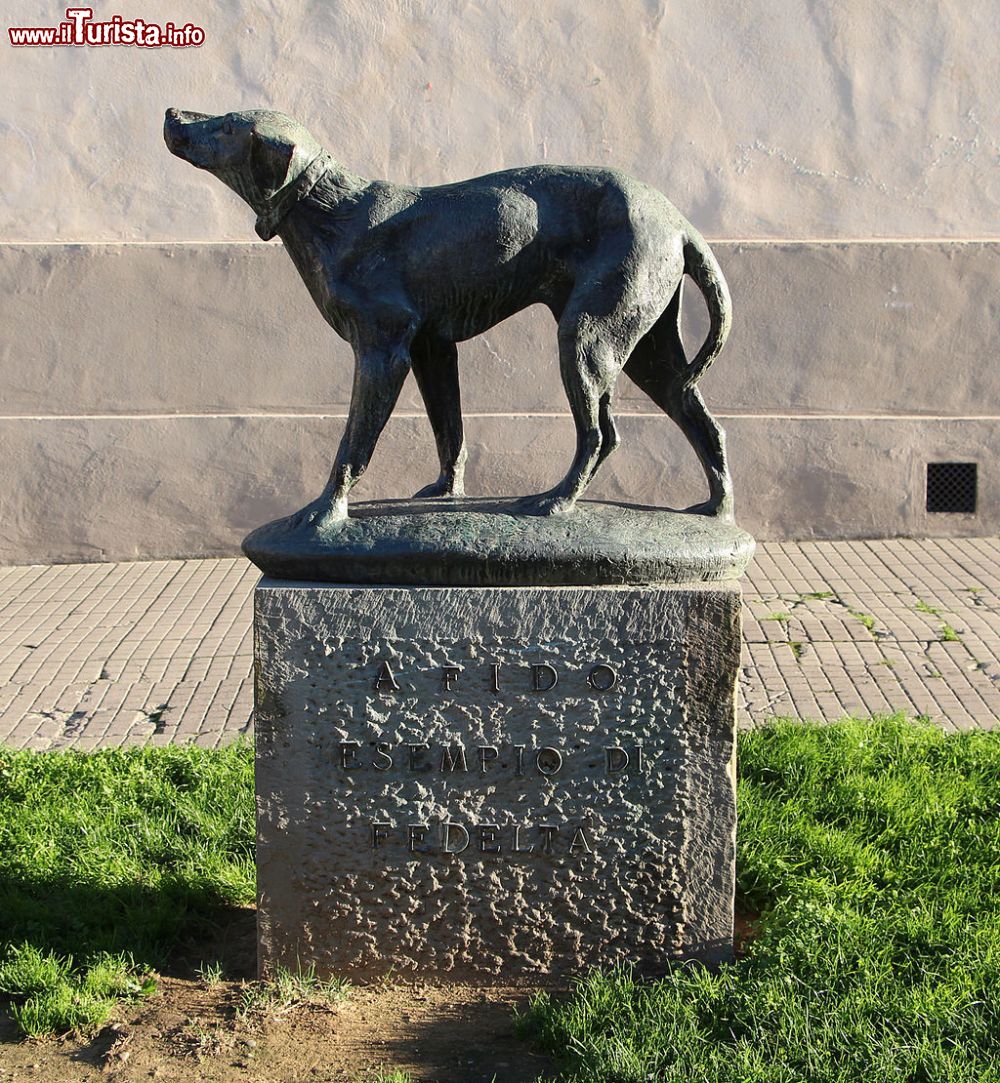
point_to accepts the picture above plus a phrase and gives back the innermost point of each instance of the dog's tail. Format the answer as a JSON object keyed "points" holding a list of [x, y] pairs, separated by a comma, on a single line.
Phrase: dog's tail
{"points": [[703, 267]]}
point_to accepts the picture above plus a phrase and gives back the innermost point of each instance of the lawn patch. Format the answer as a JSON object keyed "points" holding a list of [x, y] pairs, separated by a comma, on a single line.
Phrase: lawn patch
{"points": [[108, 862], [872, 852]]}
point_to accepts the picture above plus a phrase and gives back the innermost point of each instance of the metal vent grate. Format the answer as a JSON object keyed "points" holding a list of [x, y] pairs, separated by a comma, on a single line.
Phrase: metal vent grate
{"points": [[951, 487]]}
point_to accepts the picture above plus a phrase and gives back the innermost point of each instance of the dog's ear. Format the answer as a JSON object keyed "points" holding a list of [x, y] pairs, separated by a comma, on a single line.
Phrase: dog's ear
{"points": [[280, 149], [271, 162]]}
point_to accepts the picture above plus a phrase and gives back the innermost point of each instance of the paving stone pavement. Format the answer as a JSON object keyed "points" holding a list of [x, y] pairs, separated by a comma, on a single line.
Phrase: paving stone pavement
{"points": [[93, 655]]}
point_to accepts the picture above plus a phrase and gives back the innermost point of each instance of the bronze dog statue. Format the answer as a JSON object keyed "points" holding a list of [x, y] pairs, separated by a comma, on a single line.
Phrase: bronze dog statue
{"points": [[403, 274]]}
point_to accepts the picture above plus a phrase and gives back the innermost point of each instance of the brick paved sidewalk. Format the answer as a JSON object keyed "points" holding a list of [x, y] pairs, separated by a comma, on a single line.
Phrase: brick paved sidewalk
{"points": [[869, 627], [110, 654]]}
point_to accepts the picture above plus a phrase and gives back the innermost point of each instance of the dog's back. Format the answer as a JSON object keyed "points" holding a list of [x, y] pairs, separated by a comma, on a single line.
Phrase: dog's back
{"points": [[471, 253]]}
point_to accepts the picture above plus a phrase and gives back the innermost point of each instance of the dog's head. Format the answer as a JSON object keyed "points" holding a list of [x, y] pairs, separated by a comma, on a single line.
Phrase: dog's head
{"points": [[257, 153]]}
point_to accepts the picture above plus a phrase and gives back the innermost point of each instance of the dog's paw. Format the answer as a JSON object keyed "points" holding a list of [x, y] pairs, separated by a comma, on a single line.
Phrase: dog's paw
{"points": [[318, 515], [441, 487], [715, 509], [543, 504]]}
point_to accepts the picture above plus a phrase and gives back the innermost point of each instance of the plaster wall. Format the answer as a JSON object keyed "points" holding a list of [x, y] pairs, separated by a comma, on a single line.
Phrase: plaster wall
{"points": [[771, 119], [166, 383]]}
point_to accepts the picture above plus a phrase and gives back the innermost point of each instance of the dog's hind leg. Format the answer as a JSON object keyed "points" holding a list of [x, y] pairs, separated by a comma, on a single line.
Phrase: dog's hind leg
{"points": [[589, 362], [610, 439], [435, 366], [708, 439], [658, 366]]}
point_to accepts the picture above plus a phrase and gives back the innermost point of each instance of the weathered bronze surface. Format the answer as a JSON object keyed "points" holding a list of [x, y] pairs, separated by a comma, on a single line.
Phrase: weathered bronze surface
{"points": [[404, 273], [470, 542]]}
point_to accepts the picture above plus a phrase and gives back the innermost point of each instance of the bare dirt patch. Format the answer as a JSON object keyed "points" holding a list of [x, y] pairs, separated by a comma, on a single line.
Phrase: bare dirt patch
{"points": [[189, 1031], [192, 1031]]}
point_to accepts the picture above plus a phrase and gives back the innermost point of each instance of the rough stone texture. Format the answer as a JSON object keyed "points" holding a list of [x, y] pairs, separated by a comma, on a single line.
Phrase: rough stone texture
{"points": [[462, 542], [655, 879]]}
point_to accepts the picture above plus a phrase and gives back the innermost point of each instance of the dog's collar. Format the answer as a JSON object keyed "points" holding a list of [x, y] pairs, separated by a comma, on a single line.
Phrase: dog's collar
{"points": [[285, 198]]}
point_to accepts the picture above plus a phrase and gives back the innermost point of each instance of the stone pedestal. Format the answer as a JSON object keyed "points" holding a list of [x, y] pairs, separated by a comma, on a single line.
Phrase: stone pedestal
{"points": [[495, 783]]}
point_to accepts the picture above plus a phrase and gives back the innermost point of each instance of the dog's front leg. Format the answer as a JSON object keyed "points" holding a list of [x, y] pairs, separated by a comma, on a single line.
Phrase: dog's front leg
{"points": [[435, 366], [378, 378]]}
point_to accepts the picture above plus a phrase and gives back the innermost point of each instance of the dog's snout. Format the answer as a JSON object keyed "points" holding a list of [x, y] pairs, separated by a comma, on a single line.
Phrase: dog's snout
{"points": [[177, 133], [177, 119], [185, 116]]}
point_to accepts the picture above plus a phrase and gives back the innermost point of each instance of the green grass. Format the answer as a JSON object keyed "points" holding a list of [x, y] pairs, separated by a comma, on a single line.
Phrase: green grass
{"points": [[872, 853], [949, 634], [289, 988], [210, 972], [923, 607], [110, 861], [870, 850], [866, 619]]}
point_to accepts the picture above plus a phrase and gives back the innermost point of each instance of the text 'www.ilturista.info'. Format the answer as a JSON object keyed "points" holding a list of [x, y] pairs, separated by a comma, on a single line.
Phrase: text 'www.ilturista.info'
{"points": [[81, 28]]}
